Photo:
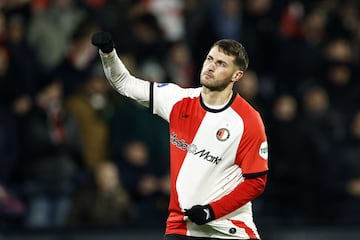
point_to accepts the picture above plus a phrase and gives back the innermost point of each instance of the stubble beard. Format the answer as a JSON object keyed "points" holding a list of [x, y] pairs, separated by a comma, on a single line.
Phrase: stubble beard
{"points": [[213, 85]]}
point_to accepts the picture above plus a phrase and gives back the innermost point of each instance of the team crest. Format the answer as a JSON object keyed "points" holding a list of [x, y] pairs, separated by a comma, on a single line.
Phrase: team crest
{"points": [[222, 134]]}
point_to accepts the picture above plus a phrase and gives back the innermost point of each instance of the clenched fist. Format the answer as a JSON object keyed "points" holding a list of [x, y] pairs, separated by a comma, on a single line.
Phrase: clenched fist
{"points": [[104, 41]]}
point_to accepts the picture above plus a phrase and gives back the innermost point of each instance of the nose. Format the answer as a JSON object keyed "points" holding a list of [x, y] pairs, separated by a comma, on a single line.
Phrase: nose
{"points": [[212, 67]]}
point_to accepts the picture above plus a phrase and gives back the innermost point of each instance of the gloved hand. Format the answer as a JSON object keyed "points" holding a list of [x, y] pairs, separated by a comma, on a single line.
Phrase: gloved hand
{"points": [[200, 214], [103, 40]]}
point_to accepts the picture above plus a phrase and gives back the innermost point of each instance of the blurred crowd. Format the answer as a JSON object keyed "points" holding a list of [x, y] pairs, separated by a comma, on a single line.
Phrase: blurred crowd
{"points": [[75, 154]]}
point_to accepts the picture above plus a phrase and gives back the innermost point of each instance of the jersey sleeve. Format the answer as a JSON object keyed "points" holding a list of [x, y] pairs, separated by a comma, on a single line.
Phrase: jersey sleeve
{"points": [[242, 194], [122, 81], [160, 97], [165, 95], [252, 154]]}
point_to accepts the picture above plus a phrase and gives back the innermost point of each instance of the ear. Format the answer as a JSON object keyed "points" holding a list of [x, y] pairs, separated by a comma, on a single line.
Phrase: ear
{"points": [[237, 75]]}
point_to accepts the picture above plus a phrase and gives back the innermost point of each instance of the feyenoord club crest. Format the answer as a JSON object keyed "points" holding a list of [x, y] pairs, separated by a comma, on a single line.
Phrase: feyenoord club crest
{"points": [[222, 134]]}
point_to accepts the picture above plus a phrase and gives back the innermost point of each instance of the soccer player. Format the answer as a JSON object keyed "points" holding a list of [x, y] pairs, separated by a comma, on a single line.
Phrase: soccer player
{"points": [[218, 145]]}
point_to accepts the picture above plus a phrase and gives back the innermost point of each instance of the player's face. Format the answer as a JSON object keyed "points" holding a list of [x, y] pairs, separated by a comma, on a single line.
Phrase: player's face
{"points": [[218, 70]]}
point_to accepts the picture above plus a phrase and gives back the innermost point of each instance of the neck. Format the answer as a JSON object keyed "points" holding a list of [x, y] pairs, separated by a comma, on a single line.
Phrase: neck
{"points": [[216, 97]]}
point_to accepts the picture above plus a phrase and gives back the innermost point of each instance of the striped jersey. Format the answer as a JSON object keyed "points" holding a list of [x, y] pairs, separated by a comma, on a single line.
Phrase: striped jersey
{"points": [[211, 151], [214, 152]]}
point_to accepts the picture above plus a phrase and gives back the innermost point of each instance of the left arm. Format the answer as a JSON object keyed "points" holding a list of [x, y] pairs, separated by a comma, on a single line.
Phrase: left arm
{"points": [[252, 158], [245, 192]]}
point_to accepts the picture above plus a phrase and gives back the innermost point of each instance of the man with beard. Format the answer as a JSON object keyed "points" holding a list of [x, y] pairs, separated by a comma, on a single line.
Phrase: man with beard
{"points": [[218, 145]]}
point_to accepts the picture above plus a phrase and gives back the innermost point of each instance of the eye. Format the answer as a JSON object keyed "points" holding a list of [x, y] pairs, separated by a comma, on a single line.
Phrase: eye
{"points": [[221, 64]]}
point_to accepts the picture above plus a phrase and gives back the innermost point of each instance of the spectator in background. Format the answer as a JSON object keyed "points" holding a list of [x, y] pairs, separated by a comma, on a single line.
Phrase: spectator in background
{"points": [[342, 17], [15, 102], [51, 30], [18, 66], [152, 70], [79, 58], [23, 55], [113, 15], [3, 32], [149, 42], [355, 43], [51, 153], [179, 64], [260, 31], [93, 106], [339, 76], [8, 146], [135, 127], [284, 194], [15, 98], [147, 184], [142, 154], [249, 89], [102, 203], [227, 22], [300, 56], [12, 209], [169, 15], [323, 128], [346, 168], [11, 88]]}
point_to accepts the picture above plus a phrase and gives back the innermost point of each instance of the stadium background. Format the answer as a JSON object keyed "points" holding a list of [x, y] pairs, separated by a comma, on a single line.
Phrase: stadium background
{"points": [[96, 145]]}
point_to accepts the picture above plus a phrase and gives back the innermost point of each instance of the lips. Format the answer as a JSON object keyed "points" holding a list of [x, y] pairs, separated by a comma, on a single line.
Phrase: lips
{"points": [[208, 74]]}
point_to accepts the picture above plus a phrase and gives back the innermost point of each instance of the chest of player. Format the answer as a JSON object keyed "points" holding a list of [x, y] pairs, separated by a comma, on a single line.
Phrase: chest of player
{"points": [[209, 135]]}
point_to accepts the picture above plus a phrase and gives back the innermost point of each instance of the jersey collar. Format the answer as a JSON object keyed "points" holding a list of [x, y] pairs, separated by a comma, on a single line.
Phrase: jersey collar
{"points": [[203, 105]]}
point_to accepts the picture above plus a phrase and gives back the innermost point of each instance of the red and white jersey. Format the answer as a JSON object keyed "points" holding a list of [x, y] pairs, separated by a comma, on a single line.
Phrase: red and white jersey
{"points": [[213, 153]]}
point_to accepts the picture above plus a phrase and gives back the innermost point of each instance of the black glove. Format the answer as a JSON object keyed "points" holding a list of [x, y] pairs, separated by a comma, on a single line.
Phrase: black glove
{"points": [[200, 214], [103, 40]]}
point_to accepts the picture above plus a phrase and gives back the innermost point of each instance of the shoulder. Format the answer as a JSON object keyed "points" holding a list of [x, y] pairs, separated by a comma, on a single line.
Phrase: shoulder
{"points": [[176, 89], [169, 93], [242, 106], [250, 116]]}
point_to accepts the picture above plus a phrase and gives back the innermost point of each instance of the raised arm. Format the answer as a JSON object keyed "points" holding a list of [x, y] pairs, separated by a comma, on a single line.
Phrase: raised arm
{"points": [[117, 74]]}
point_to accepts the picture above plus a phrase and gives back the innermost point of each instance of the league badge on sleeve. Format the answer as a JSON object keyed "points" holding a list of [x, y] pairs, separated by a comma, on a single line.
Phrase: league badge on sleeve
{"points": [[263, 151], [160, 85]]}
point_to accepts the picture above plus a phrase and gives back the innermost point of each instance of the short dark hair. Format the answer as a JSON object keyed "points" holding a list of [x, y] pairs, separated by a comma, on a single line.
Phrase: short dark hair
{"points": [[234, 48]]}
